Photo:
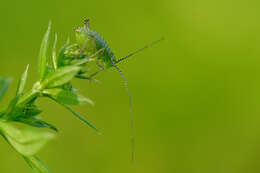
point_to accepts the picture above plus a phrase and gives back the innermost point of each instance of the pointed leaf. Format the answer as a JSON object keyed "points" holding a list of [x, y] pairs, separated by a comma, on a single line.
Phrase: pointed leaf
{"points": [[31, 111], [67, 97], [60, 76], [4, 84], [43, 53], [54, 56], [14, 111], [78, 116], [36, 164], [81, 118], [22, 82], [36, 123], [48, 71], [27, 141]]}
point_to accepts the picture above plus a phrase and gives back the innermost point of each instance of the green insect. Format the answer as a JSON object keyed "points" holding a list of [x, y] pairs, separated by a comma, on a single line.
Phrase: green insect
{"points": [[92, 43]]}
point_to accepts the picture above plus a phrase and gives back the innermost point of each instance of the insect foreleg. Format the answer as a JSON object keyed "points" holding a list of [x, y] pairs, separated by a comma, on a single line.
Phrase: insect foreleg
{"points": [[94, 74], [84, 46], [99, 54], [98, 63]]}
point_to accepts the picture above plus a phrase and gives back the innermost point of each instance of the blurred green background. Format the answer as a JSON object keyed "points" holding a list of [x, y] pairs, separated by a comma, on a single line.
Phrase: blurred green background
{"points": [[196, 95]]}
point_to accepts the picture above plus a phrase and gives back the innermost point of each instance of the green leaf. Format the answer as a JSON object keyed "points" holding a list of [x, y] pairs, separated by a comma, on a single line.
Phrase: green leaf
{"points": [[14, 111], [54, 56], [22, 82], [60, 76], [4, 84], [36, 123], [81, 118], [43, 53], [36, 164], [62, 56], [78, 116], [48, 71], [67, 97], [31, 110], [25, 140]]}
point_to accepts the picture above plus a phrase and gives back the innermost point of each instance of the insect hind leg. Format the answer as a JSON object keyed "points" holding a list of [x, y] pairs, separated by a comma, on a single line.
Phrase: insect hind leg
{"points": [[100, 65]]}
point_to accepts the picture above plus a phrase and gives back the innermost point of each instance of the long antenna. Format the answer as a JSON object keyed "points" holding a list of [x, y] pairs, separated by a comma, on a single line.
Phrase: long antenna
{"points": [[139, 50], [128, 56], [130, 111]]}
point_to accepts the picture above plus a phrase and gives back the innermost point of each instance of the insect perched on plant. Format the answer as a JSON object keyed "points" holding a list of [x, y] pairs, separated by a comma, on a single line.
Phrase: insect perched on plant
{"points": [[92, 43], [54, 82]]}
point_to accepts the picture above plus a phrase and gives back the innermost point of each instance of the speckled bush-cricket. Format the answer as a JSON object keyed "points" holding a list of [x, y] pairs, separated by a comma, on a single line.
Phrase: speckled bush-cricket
{"points": [[20, 124], [92, 43]]}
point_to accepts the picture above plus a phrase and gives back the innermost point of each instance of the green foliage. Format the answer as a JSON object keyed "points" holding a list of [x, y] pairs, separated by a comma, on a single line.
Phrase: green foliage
{"points": [[54, 55], [22, 82], [36, 164], [67, 97], [60, 77], [19, 122], [43, 53], [79, 116], [34, 121], [25, 140]]}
